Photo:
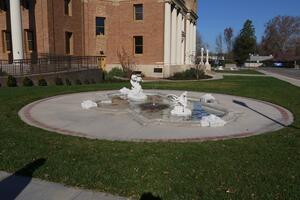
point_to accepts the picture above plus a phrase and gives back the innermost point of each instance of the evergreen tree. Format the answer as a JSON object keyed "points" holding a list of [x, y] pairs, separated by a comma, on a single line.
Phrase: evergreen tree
{"points": [[245, 43]]}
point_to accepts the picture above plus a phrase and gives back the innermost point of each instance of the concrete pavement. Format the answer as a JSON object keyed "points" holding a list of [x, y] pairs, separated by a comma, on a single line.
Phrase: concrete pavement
{"points": [[14, 187], [290, 76]]}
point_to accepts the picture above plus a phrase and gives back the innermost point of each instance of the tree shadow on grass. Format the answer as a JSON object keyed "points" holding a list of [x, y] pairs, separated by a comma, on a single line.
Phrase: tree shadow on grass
{"points": [[149, 196], [274, 120], [13, 185]]}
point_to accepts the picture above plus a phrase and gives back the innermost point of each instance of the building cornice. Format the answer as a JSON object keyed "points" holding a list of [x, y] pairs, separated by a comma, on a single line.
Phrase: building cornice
{"points": [[180, 4]]}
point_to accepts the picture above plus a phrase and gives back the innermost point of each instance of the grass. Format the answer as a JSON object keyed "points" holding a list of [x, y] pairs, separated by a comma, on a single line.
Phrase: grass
{"points": [[259, 167], [241, 71]]}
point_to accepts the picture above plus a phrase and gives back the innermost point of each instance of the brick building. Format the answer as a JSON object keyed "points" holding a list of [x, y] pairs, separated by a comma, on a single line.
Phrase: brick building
{"points": [[159, 35]]}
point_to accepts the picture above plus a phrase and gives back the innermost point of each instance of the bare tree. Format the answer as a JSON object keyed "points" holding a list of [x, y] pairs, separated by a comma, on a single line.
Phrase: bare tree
{"points": [[219, 45], [199, 43], [126, 61], [281, 36], [228, 37]]}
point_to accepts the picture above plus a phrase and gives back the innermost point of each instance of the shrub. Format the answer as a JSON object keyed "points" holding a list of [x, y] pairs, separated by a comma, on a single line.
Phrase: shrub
{"points": [[27, 82], [42, 82], [113, 73], [87, 82], [58, 81], [68, 82], [78, 82], [11, 81], [189, 74], [93, 81]]}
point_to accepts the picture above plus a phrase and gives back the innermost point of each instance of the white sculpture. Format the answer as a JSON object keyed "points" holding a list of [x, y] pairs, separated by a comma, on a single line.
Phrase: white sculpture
{"points": [[88, 104], [136, 92], [208, 98], [220, 68], [207, 65], [202, 57], [180, 105], [212, 121]]}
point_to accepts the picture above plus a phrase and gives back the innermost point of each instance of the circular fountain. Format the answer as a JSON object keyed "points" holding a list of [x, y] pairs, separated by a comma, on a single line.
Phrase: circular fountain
{"points": [[160, 107], [155, 115]]}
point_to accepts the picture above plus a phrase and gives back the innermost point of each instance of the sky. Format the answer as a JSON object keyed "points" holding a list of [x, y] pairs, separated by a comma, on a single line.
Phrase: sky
{"points": [[216, 15]]}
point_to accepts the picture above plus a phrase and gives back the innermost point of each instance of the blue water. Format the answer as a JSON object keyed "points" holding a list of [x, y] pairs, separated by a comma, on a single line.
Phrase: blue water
{"points": [[198, 111]]}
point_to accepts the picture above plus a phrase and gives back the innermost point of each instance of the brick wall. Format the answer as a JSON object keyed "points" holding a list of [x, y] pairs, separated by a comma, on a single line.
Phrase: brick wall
{"points": [[51, 24]]}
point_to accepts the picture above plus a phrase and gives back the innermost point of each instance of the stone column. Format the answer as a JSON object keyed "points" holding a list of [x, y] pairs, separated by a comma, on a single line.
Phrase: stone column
{"points": [[173, 36], [191, 43], [178, 41], [207, 57], [202, 57], [16, 29], [182, 42], [187, 41], [167, 34], [207, 65], [195, 38]]}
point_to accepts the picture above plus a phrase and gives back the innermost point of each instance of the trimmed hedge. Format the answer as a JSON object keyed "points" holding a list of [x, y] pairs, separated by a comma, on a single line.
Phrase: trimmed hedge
{"points": [[27, 82], [78, 82], [11, 81], [42, 82], [59, 81], [190, 74], [68, 82]]}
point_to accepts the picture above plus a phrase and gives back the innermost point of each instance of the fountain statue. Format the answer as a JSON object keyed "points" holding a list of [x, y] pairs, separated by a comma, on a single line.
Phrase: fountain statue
{"points": [[208, 98], [88, 104], [180, 105], [136, 92]]}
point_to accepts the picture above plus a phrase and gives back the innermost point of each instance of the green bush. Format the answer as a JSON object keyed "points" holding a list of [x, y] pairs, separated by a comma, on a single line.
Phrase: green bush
{"points": [[11, 81], [59, 81], [78, 82], [93, 81], [87, 82], [68, 82], [27, 82], [114, 72], [42, 82], [190, 74]]}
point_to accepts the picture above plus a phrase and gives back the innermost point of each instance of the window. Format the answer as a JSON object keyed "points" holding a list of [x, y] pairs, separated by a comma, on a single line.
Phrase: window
{"points": [[138, 12], [100, 24], [68, 7], [158, 70], [30, 40], [25, 4], [69, 43], [3, 6], [7, 45], [138, 44]]}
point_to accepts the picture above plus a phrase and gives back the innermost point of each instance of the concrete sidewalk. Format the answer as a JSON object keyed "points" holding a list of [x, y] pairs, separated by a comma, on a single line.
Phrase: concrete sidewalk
{"points": [[27, 188], [290, 80]]}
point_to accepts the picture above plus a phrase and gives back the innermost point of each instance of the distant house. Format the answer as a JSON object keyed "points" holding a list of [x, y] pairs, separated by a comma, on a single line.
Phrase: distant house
{"points": [[257, 60]]}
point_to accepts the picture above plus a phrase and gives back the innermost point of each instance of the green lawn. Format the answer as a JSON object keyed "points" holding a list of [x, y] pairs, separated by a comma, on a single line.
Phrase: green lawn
{"points": [[260, 167], [242, 71]]}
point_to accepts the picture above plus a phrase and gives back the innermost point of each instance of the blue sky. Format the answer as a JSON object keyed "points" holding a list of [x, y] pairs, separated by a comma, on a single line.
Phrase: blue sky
{"points": [[216, 15]]}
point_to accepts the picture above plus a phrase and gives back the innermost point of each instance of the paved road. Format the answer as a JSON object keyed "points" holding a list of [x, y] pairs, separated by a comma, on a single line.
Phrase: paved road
{"points": [[292, 73]]}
